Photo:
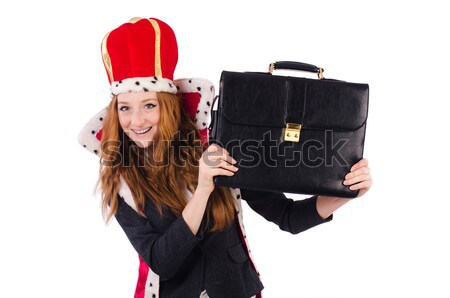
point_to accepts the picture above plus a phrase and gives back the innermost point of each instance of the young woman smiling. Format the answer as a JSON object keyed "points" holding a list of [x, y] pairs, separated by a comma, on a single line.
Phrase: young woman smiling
{"points": [[156, 176]]}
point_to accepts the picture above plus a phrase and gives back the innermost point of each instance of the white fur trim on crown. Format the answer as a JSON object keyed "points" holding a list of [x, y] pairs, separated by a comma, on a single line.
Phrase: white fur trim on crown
{"points": [[143, 84]]}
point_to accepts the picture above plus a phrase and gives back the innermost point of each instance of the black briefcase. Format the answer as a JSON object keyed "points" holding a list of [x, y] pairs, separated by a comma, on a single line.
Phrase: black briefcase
{"points": [[290, 134]]}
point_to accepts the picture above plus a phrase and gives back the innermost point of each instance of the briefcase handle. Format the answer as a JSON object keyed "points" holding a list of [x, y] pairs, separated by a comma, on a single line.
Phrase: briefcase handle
{"points": [[296, 66]]}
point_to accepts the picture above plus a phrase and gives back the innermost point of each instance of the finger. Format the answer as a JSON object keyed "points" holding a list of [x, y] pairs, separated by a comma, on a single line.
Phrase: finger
{"points": [[216, 148], [359, 178], [227, 166], [218, 161], [362, 185], [360, 171], [220, 172], [220, 155], [213, 148], [362, 163]]}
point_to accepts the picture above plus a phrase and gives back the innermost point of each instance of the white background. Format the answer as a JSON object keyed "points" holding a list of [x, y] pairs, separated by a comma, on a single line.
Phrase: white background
{"points": [[392, 242]]}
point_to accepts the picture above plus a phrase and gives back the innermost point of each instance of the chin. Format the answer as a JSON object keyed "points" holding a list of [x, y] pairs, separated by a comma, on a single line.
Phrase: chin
{"points": [[142, 143]]}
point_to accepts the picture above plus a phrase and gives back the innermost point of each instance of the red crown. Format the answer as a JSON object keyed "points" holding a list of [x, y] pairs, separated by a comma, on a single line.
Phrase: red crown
{"points": [[140, 56]]}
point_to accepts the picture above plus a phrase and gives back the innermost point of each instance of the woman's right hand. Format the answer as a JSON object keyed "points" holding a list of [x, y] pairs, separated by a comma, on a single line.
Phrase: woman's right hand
{"points": [[214, 161]]}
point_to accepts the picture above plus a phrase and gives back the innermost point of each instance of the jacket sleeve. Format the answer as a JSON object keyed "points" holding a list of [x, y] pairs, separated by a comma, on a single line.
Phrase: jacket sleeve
{"points": [[291, 216], [164, 252]]}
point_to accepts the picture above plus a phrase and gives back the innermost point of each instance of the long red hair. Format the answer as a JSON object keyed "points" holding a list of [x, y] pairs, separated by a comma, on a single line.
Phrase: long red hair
{"points": [[161, 171]]}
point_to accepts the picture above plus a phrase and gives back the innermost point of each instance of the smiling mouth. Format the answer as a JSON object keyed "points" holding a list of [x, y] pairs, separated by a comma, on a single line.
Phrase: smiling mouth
{"points": [[142, 131]]}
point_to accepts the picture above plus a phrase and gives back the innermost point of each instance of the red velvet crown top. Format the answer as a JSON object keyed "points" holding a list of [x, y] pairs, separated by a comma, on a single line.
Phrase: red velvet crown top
{"points": [[143, 48]]}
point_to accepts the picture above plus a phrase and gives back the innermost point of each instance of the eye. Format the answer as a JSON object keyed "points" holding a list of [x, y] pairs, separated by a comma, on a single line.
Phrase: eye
{"points": [[150, 106], [123, 108]]}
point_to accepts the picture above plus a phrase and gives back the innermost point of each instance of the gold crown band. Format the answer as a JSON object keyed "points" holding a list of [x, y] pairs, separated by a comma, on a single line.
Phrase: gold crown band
{"points": [[107, 59], [158, 70]]}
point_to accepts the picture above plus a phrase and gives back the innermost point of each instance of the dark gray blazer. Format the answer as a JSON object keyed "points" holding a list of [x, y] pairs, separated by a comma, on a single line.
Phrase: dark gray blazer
{"points": [[216, 261]]}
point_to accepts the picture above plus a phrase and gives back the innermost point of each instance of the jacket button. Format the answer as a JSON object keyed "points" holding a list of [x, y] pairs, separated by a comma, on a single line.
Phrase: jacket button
{"points": [[151, 285]]}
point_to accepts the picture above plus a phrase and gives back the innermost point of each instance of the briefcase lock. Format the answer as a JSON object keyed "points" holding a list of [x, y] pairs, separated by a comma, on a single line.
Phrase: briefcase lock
{"points": [[292, 132]]}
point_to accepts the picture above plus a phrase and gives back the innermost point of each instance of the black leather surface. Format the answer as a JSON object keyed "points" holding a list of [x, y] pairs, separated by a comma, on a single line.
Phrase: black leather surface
{"points": [[253, 111]]}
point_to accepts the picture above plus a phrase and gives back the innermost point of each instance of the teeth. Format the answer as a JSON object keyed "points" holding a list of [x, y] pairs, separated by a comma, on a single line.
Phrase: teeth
{"points": [[142, 131]]}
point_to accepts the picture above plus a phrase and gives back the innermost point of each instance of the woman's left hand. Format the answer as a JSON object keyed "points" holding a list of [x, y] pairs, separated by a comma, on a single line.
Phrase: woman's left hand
{"points": [[359, 177]]}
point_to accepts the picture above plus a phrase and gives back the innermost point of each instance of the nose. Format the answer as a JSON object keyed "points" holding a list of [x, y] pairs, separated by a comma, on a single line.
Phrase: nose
{"points": [[138, 118]]}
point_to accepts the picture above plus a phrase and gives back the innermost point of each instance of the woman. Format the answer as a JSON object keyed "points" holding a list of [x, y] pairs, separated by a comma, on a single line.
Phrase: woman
{"points": [[157, 178]]}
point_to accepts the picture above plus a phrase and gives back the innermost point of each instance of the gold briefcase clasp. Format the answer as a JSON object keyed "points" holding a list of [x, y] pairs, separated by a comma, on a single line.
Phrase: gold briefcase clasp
{"points": [[292, 132]]}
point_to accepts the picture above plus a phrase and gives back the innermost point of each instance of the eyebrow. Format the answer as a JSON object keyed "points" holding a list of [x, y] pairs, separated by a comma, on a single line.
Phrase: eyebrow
{"points": [[144, 101]]}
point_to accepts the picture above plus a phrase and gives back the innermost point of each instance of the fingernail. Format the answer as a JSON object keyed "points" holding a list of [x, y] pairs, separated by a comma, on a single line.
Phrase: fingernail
{"points": [[234, 161]]}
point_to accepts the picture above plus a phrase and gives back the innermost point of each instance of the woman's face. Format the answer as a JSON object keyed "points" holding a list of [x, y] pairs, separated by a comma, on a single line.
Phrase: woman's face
{"points": [[139, 115]]}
